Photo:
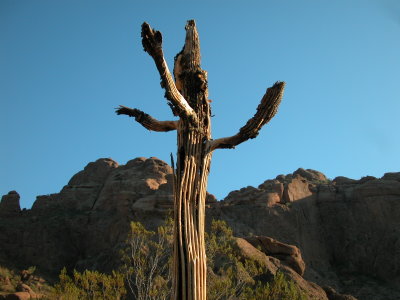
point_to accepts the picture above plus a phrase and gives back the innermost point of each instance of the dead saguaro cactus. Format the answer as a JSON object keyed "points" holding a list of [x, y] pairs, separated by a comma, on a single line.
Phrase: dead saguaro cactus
{"points": [[187, 96]]}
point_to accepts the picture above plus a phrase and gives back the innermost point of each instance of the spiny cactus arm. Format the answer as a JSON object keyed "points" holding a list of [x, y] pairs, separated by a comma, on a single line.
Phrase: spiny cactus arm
{"points": [[152, 44], [266, 110], [146, 120]]}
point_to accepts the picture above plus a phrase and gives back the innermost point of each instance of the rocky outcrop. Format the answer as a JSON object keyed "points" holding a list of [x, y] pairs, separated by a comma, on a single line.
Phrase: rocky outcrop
{"points": [[9, 205], [282, 189], [348, 231], [362, 227], [83, 224], [263, 256], [21, 284], [288, 254], [333, 295], [344, 228]]}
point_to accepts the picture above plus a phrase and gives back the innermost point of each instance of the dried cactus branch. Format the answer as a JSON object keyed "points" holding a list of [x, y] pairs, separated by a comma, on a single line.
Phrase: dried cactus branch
{"points": [[266, 110], [146, 120], [152, 44]]}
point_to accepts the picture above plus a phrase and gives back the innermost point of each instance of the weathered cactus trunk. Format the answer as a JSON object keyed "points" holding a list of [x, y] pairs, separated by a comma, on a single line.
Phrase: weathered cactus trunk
{"points": [[189, 247], [188, 98], [193, 166]]}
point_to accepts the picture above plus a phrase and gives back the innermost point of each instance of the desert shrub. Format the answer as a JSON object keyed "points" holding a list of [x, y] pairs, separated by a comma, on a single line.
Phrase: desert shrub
{"points": [[4, 272], [226, 274], [146, 261], [145, 270], [279, 288], [232, 277], [90, 285], [31, 270], [8, 280]]}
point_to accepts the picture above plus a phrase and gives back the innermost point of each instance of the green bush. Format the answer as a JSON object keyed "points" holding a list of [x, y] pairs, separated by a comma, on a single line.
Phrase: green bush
{"points": [[8, 280], [90, 285], [146, 260], [279, 288]]}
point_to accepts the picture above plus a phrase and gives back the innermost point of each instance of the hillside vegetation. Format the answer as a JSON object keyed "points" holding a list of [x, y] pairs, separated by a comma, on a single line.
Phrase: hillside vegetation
{"points": [[144, 273]]}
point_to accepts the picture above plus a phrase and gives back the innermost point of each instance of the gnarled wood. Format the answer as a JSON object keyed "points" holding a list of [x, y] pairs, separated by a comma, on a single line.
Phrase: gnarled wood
{"points": [[188, 97], [266, 110], [146, 120], [152, 44]]}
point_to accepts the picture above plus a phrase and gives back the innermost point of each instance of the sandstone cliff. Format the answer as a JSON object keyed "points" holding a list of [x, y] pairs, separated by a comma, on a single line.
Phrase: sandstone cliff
{"points": [[348, 231]]}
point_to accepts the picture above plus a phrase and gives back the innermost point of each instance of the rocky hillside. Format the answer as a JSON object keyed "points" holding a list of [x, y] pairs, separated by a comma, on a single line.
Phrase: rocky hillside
{"points": [[348, 231]]}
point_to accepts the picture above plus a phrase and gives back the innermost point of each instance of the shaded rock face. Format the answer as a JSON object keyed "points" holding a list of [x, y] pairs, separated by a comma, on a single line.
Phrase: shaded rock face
{"points": [[333, 295], [362, 227], [83, 225], [344, 228], [9, 205]]}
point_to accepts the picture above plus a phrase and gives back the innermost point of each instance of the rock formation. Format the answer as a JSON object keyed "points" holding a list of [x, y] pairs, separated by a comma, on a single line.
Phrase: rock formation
{"points": [[265, 257], [346, 231], [9, 205], [287, 254]]}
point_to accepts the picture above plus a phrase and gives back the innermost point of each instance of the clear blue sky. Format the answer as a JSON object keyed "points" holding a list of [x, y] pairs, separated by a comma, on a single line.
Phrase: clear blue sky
{"points": [[65, 65]]}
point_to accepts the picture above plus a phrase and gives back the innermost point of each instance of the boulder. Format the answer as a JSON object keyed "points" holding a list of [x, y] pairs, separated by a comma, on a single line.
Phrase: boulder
{"points": [[310, 175], [341, 180], [247, 251], [296, 189], [287, 254], [23, 287]]}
